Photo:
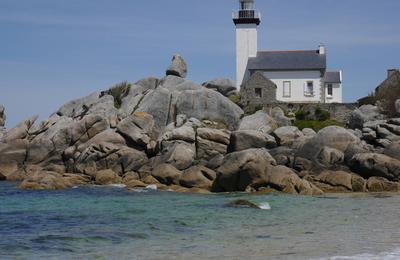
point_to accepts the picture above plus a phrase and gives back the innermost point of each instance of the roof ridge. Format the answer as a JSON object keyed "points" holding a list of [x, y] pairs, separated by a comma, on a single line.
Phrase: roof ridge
{"points": [[280, 51]]}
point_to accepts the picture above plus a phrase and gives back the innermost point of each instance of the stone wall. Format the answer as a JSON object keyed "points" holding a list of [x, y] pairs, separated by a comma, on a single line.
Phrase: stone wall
{"points": [[258, 91], [339, 111]]}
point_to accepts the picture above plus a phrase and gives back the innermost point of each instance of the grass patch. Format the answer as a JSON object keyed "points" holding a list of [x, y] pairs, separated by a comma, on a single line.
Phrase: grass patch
{"points": [[316, 124], [118, 91]]}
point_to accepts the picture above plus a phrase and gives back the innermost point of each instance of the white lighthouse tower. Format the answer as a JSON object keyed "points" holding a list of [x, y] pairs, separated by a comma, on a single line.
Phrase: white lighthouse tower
{"points": [[246, 20]]}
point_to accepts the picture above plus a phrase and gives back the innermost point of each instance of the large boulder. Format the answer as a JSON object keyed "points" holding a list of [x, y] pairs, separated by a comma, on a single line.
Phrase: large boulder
{"points": [[180, 154], [333, 137], [20, 131], [287, 135], [393, 150], [397, 106], [247, 139], [380, 184], [206, 104], [166, 174], [211, 143], [137, 129], [224, 86], [12, 158], [364, 114], [172, 98], [39, 179], [107, 177], [373, 164], [283, 179], [279, 115], [2, 116], [198, 177], [338, 181], [260, 121], [178, 67], [243, 169]]}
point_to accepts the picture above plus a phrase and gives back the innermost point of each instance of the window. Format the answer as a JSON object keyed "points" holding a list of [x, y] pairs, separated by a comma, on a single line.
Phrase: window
{"points": [[258, 92], [309, 89], [330, 90], [247, 6], [287, 88]]}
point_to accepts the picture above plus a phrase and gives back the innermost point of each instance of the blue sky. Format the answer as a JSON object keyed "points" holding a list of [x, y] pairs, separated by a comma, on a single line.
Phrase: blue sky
{"points": [[52, 51]]}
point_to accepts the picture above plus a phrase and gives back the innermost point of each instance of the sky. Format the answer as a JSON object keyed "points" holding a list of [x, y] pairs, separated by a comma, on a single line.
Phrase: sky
{"points": [[53, 51]]}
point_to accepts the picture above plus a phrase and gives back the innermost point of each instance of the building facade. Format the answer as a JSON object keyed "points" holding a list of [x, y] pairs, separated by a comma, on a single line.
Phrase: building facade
{"points": [[300, 76]]}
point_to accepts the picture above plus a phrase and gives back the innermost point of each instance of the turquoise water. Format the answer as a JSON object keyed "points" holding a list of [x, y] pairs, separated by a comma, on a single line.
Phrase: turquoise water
{"points": [[113, 223]]}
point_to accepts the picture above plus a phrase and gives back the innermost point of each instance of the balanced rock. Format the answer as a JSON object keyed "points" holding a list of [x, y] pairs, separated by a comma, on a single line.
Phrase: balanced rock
{"points": [[178, 67]]}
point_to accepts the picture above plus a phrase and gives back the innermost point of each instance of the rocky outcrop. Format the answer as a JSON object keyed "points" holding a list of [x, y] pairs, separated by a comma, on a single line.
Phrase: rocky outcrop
{"points": [[2, 116], [224, 86], [178, 67], [176, 135]]}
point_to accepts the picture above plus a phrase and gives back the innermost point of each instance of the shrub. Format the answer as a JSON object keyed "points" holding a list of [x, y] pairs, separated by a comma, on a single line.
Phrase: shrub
{"points": [[302, 115], [322, 115], [118, 91]]}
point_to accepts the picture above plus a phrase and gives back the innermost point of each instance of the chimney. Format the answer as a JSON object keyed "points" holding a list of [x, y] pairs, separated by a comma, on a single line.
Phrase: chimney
{"points": [[322, 49], [391, 72]]}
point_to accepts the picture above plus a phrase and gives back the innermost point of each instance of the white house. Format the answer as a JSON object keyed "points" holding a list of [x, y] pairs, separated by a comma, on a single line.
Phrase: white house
{"points": [[300, 75]]}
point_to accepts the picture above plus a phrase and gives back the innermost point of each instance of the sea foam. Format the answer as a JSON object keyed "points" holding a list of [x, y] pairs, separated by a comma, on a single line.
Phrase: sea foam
{"points": [[265, 206]]}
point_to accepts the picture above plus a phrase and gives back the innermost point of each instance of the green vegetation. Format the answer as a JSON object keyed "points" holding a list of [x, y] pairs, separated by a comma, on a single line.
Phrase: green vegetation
{"points": [[118, 91], [322, 115], [235, 99], [317, 120], [302, 114], [316, 124], [249, 110]]}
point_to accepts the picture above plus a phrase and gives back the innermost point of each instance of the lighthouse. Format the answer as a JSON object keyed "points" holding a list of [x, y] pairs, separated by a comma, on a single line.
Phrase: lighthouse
{"points": [[246, 20]]}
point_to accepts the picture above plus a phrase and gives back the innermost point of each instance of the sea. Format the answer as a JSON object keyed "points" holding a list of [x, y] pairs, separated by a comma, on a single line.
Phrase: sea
{"points": [[111, 222]]}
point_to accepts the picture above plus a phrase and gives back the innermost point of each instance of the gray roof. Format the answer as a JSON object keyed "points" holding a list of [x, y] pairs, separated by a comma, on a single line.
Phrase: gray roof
{"points": [[288, 60], [332, 77]]}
